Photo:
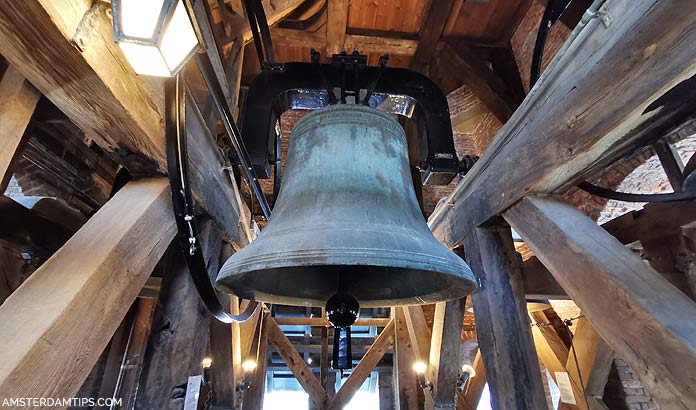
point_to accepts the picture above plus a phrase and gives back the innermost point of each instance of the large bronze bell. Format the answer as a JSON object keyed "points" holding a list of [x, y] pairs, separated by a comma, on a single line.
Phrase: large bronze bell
{"points": [[347, 220]]}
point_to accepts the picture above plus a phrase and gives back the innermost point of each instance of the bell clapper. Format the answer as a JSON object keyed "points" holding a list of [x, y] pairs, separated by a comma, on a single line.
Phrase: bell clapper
{"points": [[342, 310]]}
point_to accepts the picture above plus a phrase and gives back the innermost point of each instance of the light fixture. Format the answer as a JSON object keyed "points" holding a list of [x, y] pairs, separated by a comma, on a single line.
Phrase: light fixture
{"points": [[420, 368], [206, 362], [156, 36], [309, 360], [467, 373], [249, 366]]}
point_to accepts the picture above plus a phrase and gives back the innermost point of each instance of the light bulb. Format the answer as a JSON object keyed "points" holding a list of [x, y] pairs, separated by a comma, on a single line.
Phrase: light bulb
{"points": [[420, 367], [206, 362], [249, 366]]}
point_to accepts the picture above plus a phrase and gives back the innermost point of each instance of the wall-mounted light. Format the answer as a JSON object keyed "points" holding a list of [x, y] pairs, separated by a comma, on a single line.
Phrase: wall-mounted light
{"points": [[420, 368], [156, 36], [249, 366], [206, 363], [467, 373]]}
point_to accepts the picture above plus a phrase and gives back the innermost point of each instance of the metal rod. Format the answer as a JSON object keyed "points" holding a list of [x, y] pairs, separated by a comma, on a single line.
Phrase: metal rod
{"points": [[231, 127]]}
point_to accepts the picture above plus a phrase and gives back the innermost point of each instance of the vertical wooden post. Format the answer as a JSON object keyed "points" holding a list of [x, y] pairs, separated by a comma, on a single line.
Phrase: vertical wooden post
{"points": [[616, 290], [406, 384], [502, 325], [253, 398], [444, 350], [180, 331], [385, 391]]}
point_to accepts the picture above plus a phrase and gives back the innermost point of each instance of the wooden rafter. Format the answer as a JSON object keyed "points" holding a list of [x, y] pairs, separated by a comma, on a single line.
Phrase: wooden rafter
{"points": [[406, 386], [569, 129], [616, 290], [364, 368], [322, 321], [296, 364], [434, 22], [18, 100], [77, 298]]}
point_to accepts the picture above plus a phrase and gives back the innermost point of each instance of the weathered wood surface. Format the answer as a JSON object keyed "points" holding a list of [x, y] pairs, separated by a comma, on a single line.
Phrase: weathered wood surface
{"points": [[66, 49], [501, 317], [471, 71], [18, 100], [445, 345], [337, 22], [405, 382], [597, 97], [179, 335], [87, 287], [616, 290], [363, 369], [363, 43], [253, 397], [471, 397], [434, 21], [296, 364], [595, 358]]}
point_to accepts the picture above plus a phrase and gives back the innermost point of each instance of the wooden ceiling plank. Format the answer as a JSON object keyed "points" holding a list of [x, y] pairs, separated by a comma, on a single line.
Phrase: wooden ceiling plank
{"points": [[565, 129], [382, 343], [296, 364], [18, 101], [615, 290], [61, 318]]}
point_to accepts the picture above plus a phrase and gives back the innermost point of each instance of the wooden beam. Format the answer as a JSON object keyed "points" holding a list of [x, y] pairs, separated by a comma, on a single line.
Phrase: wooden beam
{"points": [[363, 369], [296, 364], [59, 321], [538, 282], [471, 71], [66, 49], [616, 290], [336, 24], [385, 390], [501, 316], [253, 397], [18, 100], [419, 332], [471, 397], [566, 130], [436, 17], [322, 321], [132, 364], [406, 384], [179, 329], [444, 350], [594, 360], [554, 355]]}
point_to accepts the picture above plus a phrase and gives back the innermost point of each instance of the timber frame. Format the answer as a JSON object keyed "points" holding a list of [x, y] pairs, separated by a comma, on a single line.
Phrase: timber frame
{"points": [[130, 300]]}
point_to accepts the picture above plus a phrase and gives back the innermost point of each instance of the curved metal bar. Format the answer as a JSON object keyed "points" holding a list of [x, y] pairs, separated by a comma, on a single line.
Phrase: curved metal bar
{"points": [[398, 91], [629, 197], [182, 201]]}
